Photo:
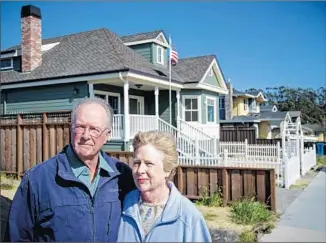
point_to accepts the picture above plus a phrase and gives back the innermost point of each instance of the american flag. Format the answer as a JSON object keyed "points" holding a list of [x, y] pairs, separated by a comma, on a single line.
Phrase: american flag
{"points": [[174, 56]]}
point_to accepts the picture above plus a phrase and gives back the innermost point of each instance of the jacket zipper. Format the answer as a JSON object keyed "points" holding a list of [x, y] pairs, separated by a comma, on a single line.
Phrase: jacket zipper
{"points": [[92, 214]]}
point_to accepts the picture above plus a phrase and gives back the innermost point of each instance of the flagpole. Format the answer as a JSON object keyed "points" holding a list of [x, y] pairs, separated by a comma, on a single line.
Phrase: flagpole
{"points": [[170, 74]]}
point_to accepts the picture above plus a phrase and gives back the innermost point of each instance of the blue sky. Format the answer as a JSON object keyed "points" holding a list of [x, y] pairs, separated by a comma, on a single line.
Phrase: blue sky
{"points": [[257, 44]]}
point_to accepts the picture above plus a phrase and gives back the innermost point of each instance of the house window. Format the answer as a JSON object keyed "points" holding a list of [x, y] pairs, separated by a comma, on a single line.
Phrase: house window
{"points": [[245, 103], [6, 63], [191, 110], [112, 98], [160, 55], [222, 102], [211, 109]]}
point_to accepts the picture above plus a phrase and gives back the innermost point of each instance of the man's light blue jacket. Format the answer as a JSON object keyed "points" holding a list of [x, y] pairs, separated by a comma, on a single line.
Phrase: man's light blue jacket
{"points": [[180, 221]]}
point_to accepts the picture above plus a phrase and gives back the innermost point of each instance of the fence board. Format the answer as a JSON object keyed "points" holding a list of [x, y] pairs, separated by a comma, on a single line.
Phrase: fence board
{"points": [[32, 146], [13, 166], [39, 144], [3, 151]]}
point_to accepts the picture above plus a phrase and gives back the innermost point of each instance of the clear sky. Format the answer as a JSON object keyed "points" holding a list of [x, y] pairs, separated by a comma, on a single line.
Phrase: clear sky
{"points": [[257, 44]]}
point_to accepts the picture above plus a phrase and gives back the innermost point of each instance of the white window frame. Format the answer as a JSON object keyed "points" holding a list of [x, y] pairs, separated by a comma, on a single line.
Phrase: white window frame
{"points": [[106, 93], [140, 99], [214, 102], [245, 105], [11, 64], [160, 52], [198, 97]]}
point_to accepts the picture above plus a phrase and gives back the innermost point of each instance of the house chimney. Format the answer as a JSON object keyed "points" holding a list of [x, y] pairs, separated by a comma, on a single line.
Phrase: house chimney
{"points": [[31, 31], [229, 101]]}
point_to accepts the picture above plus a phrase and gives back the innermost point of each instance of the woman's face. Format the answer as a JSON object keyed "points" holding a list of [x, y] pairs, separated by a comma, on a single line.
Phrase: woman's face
{"points": [[147, 169]]}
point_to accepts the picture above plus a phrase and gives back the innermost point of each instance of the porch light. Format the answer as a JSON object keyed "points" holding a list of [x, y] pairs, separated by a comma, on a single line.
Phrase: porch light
{"points": [[75, 91], [138, 85]]}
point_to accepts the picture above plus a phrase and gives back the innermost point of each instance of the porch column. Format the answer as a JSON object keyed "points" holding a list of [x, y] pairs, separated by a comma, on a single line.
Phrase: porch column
{"points": [[126, 120], [156, 93], [178, 109], [91, 90]]}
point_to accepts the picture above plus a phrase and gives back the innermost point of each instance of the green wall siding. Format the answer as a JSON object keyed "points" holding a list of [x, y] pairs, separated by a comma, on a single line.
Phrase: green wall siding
{"points": [[44, 99], [203, 94], [114, 146], [211, 80], [144, 49], [164, 107]]}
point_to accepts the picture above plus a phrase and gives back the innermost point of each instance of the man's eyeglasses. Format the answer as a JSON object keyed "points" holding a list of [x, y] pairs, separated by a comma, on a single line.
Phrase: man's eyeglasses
{"points": [[93, 131]]}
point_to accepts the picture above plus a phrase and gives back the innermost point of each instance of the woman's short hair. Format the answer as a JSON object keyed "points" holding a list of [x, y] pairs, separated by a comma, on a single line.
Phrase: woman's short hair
{"points": [[163, 142]]}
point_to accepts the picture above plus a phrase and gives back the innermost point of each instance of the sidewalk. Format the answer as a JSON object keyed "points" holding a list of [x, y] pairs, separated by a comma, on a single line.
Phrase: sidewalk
{"points": [[305, 219]]}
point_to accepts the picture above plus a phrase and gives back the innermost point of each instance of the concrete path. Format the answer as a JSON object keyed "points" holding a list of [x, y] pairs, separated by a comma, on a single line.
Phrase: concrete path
{"points": [[305, 219]]}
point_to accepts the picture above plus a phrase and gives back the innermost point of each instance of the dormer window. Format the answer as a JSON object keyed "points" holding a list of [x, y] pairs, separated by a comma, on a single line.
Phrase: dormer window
{"points": [[160, 55], [6, 63]]}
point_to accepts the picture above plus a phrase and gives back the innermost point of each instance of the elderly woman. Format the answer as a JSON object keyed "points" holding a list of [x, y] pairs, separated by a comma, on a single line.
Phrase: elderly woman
{"points": [[157, 211]]}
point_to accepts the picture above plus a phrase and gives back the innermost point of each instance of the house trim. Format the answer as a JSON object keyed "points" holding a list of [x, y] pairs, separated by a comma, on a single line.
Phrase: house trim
{"points": [[13, 53], [205, 87], [198, 97], [215, 109], [219, 75], [146, 41], [165, 40], [101, 92]]}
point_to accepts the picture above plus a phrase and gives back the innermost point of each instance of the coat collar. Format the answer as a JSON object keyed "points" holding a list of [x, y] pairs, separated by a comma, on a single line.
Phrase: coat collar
{"points": [[171, 212]]}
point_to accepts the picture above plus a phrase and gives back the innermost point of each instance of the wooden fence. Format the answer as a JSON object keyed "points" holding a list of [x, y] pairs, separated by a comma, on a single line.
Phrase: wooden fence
{"points": [[28, 139], [234, 183]]}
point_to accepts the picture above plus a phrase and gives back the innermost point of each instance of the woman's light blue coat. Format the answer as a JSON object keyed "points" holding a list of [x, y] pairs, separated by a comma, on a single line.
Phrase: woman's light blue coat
{"points": [[180, 221]]}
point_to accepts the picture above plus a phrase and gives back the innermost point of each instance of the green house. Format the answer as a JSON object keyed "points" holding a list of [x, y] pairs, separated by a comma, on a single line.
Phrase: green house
{"points": [[130, 72]]}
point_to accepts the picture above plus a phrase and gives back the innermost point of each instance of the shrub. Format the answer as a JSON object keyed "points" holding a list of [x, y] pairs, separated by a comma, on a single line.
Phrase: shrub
{"points": [[249, 211], [213, 200]]}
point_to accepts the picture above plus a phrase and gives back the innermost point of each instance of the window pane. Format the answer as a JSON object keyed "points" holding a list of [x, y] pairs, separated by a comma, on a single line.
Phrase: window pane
{"points": [[194, 104], [188, 104], [194, 116], [210, 102], [100, 96], [188, 115], [5, 63], [210, 113], [113, 101]]}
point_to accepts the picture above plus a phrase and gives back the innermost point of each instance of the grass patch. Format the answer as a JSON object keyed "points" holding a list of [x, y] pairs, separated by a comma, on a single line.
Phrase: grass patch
{"points": [[321, 161], [247, 236], [214, 200], [248, 211], [301, 184], [9, 185], [209, 216]]}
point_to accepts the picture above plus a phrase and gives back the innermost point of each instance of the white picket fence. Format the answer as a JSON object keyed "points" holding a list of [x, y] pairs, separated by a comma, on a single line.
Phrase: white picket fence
{"points": [[288, 168], [309, 159]]}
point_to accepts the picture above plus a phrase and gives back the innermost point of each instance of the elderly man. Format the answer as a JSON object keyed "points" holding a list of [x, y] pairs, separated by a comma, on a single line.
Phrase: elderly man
{"points": [[76, 195]]}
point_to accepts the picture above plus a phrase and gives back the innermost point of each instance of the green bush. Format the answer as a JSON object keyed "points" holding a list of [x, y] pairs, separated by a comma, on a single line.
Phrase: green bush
{"points": [[213, 200], [247, 236], [249, 211]]}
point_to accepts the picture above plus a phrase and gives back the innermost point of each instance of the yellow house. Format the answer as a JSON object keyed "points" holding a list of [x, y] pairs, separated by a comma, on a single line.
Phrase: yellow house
{"points": [[245, 103], [315, 130]]}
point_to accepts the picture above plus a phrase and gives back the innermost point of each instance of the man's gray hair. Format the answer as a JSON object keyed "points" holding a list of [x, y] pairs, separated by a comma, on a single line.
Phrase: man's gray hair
{"points": [[93, 100]]}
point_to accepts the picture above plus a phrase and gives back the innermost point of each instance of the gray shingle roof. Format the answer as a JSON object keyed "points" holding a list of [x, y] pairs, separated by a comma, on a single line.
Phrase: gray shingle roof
{"points": [[141, 36], [85, 53], [266, 108], [193, 69], [269, 115]]}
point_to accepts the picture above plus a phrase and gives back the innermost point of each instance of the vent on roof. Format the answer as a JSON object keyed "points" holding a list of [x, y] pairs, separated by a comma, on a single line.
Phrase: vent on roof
{"points": [[160, 73]]}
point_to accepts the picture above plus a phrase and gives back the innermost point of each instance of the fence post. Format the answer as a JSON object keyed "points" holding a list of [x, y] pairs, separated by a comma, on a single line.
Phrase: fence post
{"points": [[45, 137], [19, 145], [314, 154], [301, 154]]}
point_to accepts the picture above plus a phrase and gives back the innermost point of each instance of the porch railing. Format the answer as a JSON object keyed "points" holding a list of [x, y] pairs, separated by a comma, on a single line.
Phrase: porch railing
{"points": [[142, 123], [117, 127], [205, 142]]}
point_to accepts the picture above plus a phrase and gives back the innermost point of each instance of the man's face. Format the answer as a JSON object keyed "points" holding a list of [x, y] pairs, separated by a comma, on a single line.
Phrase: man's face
{"points": [[90, 131]]}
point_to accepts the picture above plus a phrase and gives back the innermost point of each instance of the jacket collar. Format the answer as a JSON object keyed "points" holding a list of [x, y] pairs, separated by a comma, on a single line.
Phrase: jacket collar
{"points": [[171, 212], [64, 169]]}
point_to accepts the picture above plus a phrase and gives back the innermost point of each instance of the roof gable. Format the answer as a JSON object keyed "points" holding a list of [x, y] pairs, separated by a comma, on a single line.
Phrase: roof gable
{"points": [[86, 53]]}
